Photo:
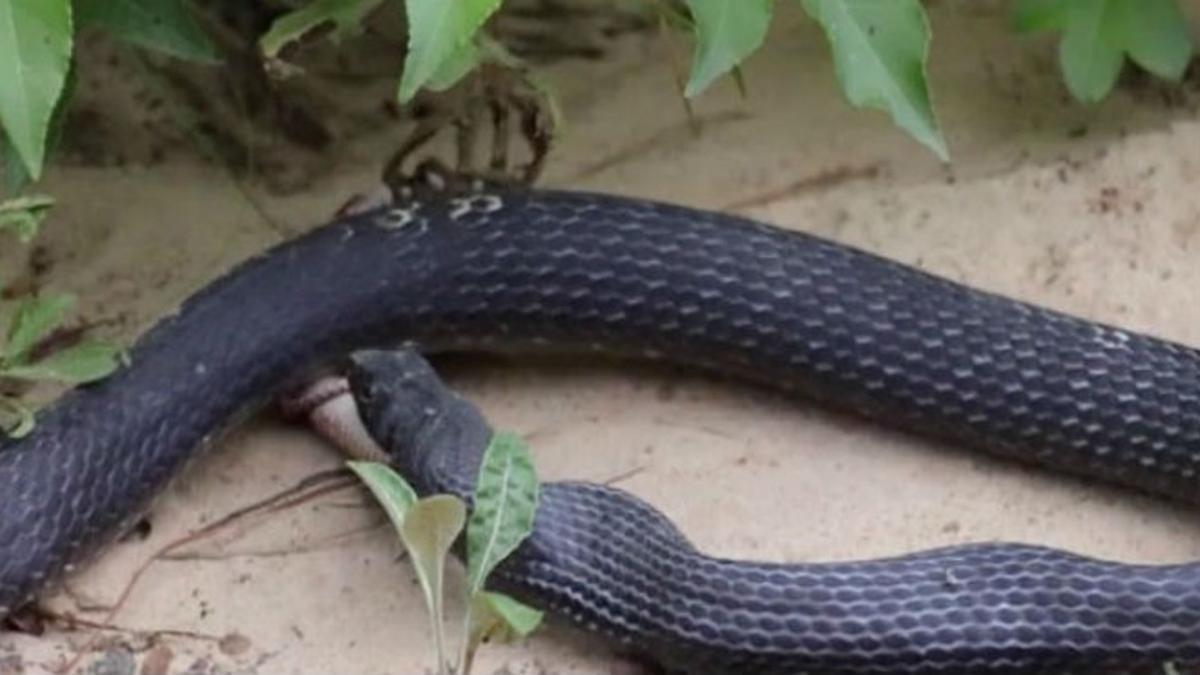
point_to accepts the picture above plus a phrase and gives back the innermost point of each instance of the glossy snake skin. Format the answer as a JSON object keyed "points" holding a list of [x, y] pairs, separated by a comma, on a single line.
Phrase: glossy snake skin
{"points": [[613, 564], [569, 271]]}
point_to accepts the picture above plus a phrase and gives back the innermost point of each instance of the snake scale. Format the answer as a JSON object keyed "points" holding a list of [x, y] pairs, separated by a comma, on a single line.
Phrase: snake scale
{"points": [[525, 269]]}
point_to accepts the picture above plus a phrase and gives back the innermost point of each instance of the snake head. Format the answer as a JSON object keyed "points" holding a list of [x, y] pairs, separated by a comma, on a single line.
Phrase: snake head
{"points": [[428, 432], [398, 394]]}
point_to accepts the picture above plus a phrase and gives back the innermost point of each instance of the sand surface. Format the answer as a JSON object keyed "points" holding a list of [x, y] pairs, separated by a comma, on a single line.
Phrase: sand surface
{"points": [[1094, 211]]}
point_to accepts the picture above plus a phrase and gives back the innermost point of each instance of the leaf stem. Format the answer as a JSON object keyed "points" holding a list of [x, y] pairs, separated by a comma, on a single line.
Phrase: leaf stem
{"points": [[466, 655]]}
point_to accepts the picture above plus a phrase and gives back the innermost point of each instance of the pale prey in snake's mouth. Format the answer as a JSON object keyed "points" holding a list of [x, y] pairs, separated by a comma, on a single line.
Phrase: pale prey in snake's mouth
{"points": [[497, 269]]}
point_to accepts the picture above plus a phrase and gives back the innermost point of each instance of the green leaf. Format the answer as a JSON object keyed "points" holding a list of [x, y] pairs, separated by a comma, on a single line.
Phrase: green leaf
{"points": [[22, 215], [494, 617], [497, 617], [35, 55], [727, 31], [427, 527], [344, 15], [455, 68], [34, 319], [1097, 34], [81, 363], [1090, 54], [506, 496], [1155, 35], [16, 177], [390, 490], [437, 32], [429, 531], [880, 49], [16, 420], [167, 26], [1032, 15]]}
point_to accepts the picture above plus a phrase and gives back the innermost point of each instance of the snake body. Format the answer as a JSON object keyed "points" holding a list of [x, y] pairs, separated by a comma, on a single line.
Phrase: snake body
{"points": [[614, 564], [504, 269]]}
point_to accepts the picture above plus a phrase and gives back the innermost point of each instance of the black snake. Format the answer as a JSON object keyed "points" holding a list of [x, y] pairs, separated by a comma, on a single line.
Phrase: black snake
{"points": [[497, 269]]}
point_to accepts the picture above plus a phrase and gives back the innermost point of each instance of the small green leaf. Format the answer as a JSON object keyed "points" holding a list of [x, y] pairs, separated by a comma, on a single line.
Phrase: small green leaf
{"points": [[727, 31], [344, 15], [506, 496], [22, 215], [880, 49], [16, 420], [427, 527], [35, 55], [437, 32], [497, 617], [78, 364], [166, 26], [429, 531], [34, 319], [390, 490]]}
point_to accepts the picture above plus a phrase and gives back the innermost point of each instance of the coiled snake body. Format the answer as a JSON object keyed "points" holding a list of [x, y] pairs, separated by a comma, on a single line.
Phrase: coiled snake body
{"points": [[557, 270]]}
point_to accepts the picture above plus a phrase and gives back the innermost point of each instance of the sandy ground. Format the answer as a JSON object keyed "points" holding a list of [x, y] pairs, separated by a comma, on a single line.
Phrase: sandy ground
{"points": [[1089, 210]]}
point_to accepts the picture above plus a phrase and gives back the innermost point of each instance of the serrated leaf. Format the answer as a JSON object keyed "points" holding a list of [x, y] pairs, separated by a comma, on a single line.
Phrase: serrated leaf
{"points": [[437, 31], [78, 364], [33, 320], [392, 492], [727, 31], [22, 215], [495, 617], [166, 26], [429, 531], [35, 55], [344, 16], [506, 497], [880, 49]]}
